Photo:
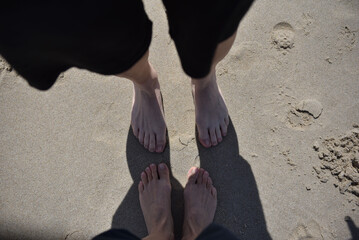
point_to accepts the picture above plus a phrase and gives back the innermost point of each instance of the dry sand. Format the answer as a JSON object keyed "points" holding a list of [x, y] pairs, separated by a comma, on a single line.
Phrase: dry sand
{"points": [[69, 164]]}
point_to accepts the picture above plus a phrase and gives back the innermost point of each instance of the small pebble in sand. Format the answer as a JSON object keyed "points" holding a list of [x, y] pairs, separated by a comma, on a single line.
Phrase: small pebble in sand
{"points": [[316, 146], [317, 170], [62, 75], [329, 60], [324, 180]]}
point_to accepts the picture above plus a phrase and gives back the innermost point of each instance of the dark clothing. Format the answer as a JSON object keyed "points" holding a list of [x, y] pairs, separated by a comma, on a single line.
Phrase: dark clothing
{"points": [[197, 26], [41, 39], [212, 232]]}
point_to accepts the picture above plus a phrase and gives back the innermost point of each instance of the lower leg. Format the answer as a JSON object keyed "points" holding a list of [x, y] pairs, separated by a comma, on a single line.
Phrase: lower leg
{"points": [[147, 117], [141, 72], [211, 112]]}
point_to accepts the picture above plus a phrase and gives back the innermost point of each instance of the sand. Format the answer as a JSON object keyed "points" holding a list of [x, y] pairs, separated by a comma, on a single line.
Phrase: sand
{"points": [[70, 164], [340, 158]]}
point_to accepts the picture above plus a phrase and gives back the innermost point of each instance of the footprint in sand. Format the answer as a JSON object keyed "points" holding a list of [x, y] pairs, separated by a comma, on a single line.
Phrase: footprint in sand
{"points": [[347, 40], [304, 113], [246, 56], [283, 36], [308, 231]]}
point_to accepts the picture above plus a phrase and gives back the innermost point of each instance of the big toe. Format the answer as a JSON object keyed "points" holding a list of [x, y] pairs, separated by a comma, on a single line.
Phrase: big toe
{"points": [[192, 175], [164, 172]]}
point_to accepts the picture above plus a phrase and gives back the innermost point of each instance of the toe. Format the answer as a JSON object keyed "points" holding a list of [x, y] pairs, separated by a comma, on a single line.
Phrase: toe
{"points": [[152, 145], [209, 183], [204, 137], [154, 171], [218, 134], [140, 187], [149, 174], [226, 120], [160, 142], [144, 178], [205, 178], [200, 176], [164, 172], [192, 175], [214, 192], [141, 136], [146, 141], [213, 136], [224, 128]]}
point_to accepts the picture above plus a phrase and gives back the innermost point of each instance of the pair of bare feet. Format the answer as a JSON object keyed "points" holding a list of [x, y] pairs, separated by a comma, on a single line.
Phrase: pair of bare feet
{"points": [[200, 201], [147, 117]]}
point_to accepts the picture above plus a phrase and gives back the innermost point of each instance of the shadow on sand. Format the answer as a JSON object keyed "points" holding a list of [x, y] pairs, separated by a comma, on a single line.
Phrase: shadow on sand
{"points": [[239, 207], [354, 230], [129, 215]]}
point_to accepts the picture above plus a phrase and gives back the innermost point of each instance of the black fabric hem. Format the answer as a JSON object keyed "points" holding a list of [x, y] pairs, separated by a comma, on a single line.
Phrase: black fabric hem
{"points": [[234, 20], [197, 55]]}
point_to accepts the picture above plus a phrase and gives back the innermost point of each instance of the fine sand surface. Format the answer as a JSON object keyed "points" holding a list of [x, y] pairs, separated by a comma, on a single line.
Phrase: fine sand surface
{"points": [[69, 164]]}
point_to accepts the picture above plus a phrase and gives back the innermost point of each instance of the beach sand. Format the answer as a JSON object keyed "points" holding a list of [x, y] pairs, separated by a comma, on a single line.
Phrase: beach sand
{"points": [[70, 164]]}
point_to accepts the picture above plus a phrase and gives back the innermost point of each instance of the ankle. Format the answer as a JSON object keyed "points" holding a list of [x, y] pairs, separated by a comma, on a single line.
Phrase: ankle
{"points": [[149, 85], [143, 75], [201, 83]]}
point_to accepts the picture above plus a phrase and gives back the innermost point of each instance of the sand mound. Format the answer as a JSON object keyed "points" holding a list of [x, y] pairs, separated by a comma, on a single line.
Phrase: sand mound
{"points": [[340, 157]]}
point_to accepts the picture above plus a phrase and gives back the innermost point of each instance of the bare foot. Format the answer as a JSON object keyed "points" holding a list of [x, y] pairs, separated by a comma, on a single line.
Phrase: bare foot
{"points": [[155, 200], [147, 117], [211, 111], [200, 202]]}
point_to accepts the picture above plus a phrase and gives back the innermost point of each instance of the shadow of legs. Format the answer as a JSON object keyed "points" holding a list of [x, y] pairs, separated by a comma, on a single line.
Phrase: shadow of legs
{"points": [[239, 207], [129, 215]]}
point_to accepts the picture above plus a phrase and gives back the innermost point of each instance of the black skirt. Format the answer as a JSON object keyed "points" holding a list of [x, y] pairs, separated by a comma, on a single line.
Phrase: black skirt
{"points": [[41, 39]]}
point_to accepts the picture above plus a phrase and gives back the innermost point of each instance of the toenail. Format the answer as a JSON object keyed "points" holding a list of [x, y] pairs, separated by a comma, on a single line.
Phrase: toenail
{"points": [[194, 170], [162, 166], [206, 142]]}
